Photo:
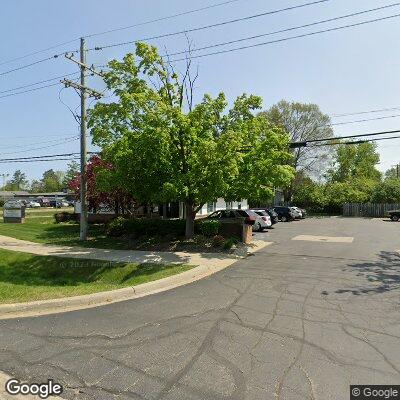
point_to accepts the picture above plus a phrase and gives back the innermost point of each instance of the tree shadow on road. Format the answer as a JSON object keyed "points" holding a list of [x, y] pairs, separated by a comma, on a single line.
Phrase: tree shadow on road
{"points": [[382, 275]]}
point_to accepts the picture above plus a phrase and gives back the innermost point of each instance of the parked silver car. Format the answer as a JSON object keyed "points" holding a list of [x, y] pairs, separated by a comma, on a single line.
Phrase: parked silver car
{"points": [[262, 222], [33, 204], [297, 212]]}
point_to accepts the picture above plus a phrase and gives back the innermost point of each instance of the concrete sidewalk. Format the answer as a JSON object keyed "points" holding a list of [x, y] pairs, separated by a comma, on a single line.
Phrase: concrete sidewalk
{"points": [[126, 256]]}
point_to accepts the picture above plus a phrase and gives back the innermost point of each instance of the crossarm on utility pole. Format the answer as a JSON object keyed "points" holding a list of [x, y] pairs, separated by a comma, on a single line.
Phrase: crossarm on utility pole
{"points": [[84, 92]]}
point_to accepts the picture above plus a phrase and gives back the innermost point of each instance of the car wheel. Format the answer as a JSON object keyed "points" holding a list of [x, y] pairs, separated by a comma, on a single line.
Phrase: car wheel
{"points": [[394, 218], [284, 219], [256, 227]]}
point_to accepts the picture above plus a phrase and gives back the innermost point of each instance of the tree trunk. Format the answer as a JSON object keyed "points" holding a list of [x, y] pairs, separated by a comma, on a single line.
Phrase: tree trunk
{"points": [[190, 216]]}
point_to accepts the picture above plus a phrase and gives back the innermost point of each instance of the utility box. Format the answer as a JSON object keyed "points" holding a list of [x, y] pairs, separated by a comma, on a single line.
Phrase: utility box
{"points": [[13, 212]]}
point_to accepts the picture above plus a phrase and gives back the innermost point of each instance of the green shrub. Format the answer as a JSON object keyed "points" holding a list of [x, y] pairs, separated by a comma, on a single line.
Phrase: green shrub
{"points": [[64, 217], [229, 243], [2, 202], [116, 227], [208, 228], [146, 227], [218, 241]]}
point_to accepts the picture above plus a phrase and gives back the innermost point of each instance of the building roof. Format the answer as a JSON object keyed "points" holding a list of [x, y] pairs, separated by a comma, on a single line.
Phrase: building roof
{"points": [[13, 193], [25, 193]]}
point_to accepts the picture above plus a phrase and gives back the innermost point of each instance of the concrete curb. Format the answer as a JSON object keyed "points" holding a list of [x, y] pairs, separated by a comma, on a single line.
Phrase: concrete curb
{"points": [[55, 306]]}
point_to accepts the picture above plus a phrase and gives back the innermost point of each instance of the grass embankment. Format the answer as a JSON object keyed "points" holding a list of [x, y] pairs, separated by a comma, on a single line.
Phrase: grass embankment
{"points": [[25, 277]]}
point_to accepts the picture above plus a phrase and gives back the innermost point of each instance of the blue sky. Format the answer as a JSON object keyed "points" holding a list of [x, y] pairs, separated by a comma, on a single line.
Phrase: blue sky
{"points": [[347, 71]]}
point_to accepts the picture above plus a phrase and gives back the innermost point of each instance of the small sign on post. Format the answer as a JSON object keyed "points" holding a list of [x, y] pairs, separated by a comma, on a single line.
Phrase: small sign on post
{"points": [[14, 212]]}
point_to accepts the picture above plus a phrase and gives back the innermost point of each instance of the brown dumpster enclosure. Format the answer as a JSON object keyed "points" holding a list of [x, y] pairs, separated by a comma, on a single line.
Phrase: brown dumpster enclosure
{"points": [[236, 227]]}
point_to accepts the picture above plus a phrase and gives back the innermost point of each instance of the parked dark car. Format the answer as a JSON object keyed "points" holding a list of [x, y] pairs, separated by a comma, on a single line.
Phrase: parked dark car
{"points": [[44, 202], [285, 214], [249, 216], [394, 215], [55, 204]]}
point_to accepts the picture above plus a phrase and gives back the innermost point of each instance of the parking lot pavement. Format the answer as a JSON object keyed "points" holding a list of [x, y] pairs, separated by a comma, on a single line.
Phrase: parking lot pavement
{"points": [[299, 320]]}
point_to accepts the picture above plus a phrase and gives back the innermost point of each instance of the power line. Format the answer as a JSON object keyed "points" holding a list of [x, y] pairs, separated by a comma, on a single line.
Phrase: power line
{"points": [[41, 148], [37, 52], [365, 112], [365, 120], [356, 142], [284, 30], [27, 145], [209, 26], [44, 160], [38, 157], [30, 90], [37, 136], [288, 38], [351, 136], [38, 83], [49, 157], [31, 64], [118, 29], [162, 18]]}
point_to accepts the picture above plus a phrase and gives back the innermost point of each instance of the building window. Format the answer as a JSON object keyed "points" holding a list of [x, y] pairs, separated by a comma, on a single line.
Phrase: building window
{"points": [[211, 207], [228, 205], [239, 206]]}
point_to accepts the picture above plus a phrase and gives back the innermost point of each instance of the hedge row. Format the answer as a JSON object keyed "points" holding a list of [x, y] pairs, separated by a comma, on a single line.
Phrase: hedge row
{"points": [[65, 217], [159, 227]]}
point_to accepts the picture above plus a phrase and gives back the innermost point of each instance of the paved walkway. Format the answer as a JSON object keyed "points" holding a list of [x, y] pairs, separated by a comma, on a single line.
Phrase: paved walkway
{"points": [[200, 259], [299, 320]]}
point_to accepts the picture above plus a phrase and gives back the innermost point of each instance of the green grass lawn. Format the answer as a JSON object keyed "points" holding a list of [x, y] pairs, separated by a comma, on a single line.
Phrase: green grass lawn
{"points": [[40, 227], [25, 277]]}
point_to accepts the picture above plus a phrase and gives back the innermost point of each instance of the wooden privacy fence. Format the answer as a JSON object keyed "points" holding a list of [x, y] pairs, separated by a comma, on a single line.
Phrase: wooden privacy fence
{"points": [[368, 209]]}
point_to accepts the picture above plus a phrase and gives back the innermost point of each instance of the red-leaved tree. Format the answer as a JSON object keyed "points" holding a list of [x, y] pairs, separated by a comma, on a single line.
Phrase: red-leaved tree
{"points": [[100, 191]]}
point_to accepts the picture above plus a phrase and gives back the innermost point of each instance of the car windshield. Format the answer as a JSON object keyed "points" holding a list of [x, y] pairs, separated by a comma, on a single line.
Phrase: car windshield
{"points": [[260, 212]]}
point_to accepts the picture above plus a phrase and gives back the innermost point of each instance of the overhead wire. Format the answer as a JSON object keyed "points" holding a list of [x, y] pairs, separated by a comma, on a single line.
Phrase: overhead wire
{"points": [[190, 57], [364, 120], [30, 90], [41, 160], [30, 144], [162, 18], [44, 147], [338, 143], [223, 23], [284, 30], [118, 29], [365, 112], [55, 56], [38, 82]]}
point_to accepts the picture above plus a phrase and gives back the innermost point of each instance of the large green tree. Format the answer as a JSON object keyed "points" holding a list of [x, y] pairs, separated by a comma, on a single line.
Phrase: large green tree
{"points": [[52, 181], [73, 171], [17, 182], [164, 147], [393, 172], [303, 122], [355, 161], [387, 192]]}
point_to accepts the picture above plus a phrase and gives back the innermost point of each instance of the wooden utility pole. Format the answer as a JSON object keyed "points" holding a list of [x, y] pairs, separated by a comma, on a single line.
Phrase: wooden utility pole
{"points": [[84, 92]]}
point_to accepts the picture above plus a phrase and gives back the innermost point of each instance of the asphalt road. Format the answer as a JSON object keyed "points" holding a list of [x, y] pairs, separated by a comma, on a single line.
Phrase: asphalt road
{"points": [[302, 319]]}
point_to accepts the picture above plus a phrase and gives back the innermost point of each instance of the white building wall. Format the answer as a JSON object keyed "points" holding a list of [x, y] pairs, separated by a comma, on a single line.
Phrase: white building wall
{"points": [[221, 204]]}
